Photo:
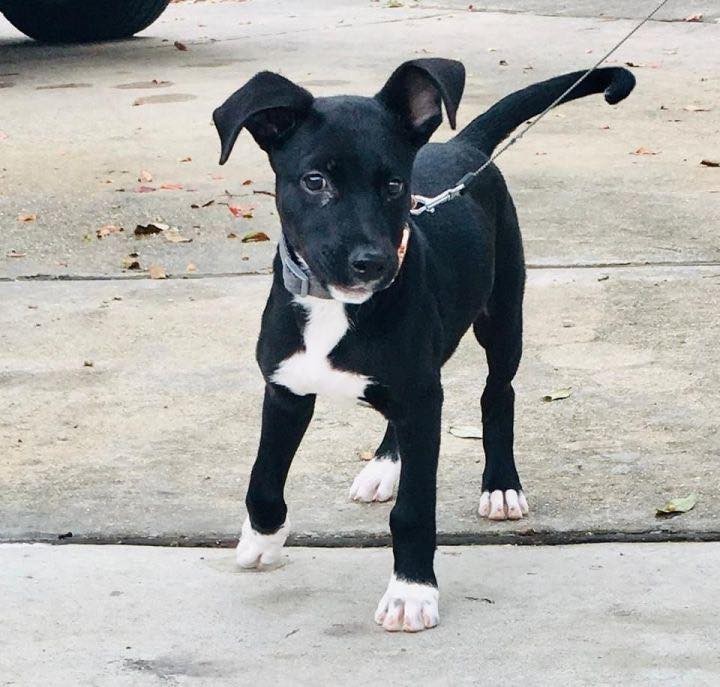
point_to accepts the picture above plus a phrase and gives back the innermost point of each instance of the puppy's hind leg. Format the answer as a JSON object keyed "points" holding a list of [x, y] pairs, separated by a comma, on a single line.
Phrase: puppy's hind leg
{"points": [[501, 335], [377, 480]]}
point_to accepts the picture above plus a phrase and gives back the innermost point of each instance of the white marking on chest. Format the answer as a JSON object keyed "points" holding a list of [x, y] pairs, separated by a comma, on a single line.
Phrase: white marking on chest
{"points": [[309, 371]]}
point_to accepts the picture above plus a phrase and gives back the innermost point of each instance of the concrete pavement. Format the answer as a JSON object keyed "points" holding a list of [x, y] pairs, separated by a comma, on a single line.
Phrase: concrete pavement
{"points": [[612, 614], [77, 142], [156, 439]]}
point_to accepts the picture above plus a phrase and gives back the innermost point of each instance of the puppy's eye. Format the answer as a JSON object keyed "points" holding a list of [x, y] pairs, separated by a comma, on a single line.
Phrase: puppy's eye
{"points": [[314, 182], [395, 188]]}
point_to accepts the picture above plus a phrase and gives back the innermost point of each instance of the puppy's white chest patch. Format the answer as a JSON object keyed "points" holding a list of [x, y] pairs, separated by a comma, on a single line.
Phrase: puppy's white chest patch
{"points": [[310, 371]]}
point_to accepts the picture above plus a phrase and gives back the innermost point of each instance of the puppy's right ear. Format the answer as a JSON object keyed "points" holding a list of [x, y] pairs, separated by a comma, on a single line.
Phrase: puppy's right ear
{"points": [[269, 106]]}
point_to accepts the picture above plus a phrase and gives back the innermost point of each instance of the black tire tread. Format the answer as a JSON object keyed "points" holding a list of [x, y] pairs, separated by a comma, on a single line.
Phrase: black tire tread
{"points": [[79, 21]]}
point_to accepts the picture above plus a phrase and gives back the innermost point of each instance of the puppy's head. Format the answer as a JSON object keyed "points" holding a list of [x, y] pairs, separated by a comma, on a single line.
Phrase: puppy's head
{"points": [[343, 165]]}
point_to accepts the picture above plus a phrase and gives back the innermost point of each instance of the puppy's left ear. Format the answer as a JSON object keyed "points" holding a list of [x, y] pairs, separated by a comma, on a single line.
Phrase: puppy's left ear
{"points": [[269, 106], [415, 90]]}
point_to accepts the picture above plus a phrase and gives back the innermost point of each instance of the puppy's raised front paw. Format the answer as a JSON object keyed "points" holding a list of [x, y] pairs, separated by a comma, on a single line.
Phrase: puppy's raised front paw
{"points": [[408, 606], [376, 481], [503, 505], [256, 550]]}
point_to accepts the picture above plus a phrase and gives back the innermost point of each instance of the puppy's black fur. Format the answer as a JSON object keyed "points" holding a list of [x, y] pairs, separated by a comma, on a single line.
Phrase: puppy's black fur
{"points": [[345, 168]]}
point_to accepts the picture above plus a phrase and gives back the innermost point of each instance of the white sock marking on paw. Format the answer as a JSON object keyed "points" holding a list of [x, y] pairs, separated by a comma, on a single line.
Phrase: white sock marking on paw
{"points": [[255, 550], [376, 481], [408, 606], [499, 505]]}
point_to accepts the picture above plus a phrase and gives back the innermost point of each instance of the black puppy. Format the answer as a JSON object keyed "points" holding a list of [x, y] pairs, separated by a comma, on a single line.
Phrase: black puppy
{"points": [[368, 304]]}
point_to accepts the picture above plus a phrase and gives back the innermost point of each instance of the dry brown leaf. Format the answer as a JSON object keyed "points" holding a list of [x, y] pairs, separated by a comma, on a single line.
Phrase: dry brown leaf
{"points": [[150, 228], [172, 234], [557, 395], [247, 182], [108, 229], [245, 211], [255, 237], [180, 46], [465, 431], [157, 272], [27, 217], [145, 176], [643, 151], [131, 262]]}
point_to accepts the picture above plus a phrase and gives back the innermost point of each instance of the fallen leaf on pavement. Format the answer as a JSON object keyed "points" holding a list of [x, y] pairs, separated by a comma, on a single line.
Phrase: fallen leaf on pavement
{"points": [[108, 229], [245, 211], [150, 228], [465, 431], [15, 254], [173, 236], [157, 272], [145, 176], [557, 395], [643, 151], [696, 108], [694, 17], [255, 237], [710, 163], [180, 46], [651, 65], [677, 506], [29, 217], [171, 187], [247, 182], [131, 262]]}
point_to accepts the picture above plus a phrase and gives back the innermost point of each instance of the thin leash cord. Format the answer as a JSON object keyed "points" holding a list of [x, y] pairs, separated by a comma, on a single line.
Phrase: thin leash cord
{"points": [[423, 204]]}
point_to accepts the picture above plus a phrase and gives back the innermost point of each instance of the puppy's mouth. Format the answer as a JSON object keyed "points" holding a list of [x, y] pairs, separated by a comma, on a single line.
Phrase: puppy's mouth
{"points": [[351, 294]]}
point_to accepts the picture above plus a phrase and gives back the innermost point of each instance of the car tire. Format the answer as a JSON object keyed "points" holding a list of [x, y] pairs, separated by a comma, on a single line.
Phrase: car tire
{"points": [[78, 21]]}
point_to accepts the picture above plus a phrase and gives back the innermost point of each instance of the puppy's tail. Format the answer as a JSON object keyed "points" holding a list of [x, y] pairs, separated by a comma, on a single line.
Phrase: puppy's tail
{"points": [[491, 127]]}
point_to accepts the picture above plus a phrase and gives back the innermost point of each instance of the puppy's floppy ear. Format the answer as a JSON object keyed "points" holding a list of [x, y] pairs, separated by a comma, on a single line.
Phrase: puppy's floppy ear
{"points": [[269, 106], [414, 92]]}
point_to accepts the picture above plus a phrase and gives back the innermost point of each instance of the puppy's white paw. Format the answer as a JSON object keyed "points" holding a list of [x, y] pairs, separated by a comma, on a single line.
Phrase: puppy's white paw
{"points": [[503, 505], [408, 606], [255, 550], [376, 481]]}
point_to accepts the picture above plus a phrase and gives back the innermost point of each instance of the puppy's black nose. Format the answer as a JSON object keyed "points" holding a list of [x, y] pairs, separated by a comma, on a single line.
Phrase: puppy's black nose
{"points": [[367, 265]]}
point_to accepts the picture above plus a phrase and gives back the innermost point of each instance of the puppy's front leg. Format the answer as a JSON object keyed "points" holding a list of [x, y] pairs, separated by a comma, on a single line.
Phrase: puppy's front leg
{"points": [[411, 600], [285, 418]]}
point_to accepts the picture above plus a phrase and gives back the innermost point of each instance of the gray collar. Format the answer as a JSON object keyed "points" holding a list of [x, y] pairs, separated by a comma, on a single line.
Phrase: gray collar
{"points": [[299, 280]]}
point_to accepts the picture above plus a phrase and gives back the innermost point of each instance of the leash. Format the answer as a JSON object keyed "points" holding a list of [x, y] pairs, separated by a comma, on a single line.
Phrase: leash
{"points": [[428, 204]]}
